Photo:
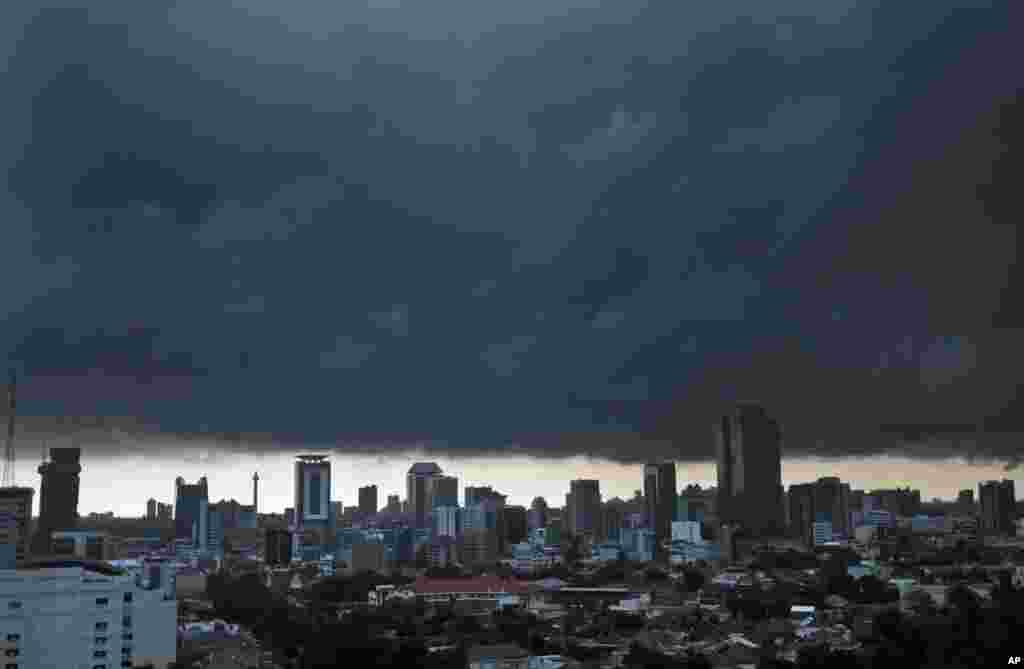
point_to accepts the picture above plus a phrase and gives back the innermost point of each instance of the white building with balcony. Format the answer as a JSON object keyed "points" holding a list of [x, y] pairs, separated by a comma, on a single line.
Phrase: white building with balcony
{"points": [[84, 615]]}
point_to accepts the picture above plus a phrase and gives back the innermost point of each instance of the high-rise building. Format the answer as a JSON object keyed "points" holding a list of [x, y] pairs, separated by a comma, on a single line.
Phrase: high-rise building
{"points": [[538, 516], [660, 501], [394, 504], [313, 492], [748, 455], [15, 521], [190, 507], [583, 508], [493, 503], [419, 481], [278, 547], [827, 499], [58, 495], [151, 509], [998, 506], [368, 499], [444, 491], [164, 511], [447, 521], [515, 524]]}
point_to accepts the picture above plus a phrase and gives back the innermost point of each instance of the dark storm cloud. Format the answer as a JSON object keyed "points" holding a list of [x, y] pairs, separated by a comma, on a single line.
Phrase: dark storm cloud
{"points": [[569, 227]]}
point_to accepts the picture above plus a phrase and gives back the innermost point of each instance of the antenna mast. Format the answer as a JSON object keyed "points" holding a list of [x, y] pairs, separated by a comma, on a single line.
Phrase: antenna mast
{"points": [[8, 481]]}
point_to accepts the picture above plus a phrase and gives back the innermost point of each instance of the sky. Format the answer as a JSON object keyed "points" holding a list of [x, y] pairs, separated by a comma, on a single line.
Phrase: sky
{"points": [[543, 229]]}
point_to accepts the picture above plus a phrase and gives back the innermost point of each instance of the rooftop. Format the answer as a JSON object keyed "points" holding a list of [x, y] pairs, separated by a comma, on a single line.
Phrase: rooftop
{"points": [[97, 566], [425, 468]]}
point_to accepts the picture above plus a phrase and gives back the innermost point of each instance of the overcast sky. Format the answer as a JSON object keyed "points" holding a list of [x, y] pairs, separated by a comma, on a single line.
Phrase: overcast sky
{"points": [[574, 226]]}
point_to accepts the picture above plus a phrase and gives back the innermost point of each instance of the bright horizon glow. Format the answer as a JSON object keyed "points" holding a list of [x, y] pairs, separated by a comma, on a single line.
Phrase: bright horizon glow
{"points": [[105, 484]]}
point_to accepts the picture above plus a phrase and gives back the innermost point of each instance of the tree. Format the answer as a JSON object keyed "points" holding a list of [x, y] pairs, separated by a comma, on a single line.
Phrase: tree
{"points": [[694, 580]]}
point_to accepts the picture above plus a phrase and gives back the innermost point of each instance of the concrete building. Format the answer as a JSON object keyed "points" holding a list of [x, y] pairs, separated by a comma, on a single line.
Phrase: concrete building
{"points": [[164, 511], [77, 613], [998, 507], [151, 509], [235, 516], [444, 491], [190, 509], [394, 504], [487, 501], [15, 525], [902, 502], [660, 500], [515, 524], [312, 491], [278, 547], [58, 495], [368, 500], [583, 508], [478, 546], [447, 521], [749, 460], [419, 483], [828, 498], [83, 545]]}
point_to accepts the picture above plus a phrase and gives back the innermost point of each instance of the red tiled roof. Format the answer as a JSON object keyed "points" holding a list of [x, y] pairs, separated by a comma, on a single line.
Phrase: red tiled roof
{"points": [[426, 586]]}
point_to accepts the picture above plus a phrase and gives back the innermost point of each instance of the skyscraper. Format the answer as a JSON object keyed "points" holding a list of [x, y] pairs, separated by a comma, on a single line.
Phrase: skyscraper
{"points": [[444, 491], [151, 509], [58, 496], [998, 506], [827, 499], [191, 503], [749, 459], [312, 491], [583, 507], [660, 500], [418, 485], [368, 499], [538, 516]]}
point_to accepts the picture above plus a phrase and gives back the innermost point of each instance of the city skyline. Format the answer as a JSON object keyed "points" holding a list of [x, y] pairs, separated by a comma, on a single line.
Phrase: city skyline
{"points": [[521, 479]]}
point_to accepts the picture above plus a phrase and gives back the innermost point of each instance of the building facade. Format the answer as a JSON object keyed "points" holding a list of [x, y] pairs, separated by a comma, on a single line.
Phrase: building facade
{"points": [[74, 613], [368, 499], [58, 494], [444, 491], [418, 486], [998, 507], [660, 500], [749, 460], [15, 525], [583, 508], [190, 505]]}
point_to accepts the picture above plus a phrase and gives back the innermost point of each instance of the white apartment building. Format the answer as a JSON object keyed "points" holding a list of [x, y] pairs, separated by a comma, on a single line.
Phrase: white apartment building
{"points": [[78, 614]]}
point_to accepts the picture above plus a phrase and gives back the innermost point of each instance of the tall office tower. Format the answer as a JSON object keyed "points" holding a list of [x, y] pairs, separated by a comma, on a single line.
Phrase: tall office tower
{"points": [[164, 511], [394, 504], [418, 484], [749, 459], [583, 507], [368, 499], [538, 516], [494, 503], [313, 492], [255, 493], [15, 523], [832, 498], [444, 491], [58, 495], [151, 509], [998, 506], [190, 507], [515, 524], [801, 511], [660, 498]]}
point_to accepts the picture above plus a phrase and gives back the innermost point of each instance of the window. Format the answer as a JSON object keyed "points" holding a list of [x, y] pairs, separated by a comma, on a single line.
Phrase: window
{"points": [[126, 663], [99, 653], [102, 601], [101, 626], [14, 638], [14, 604], [127, 636], [101, 640], [126, 622], [127, 596]]}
